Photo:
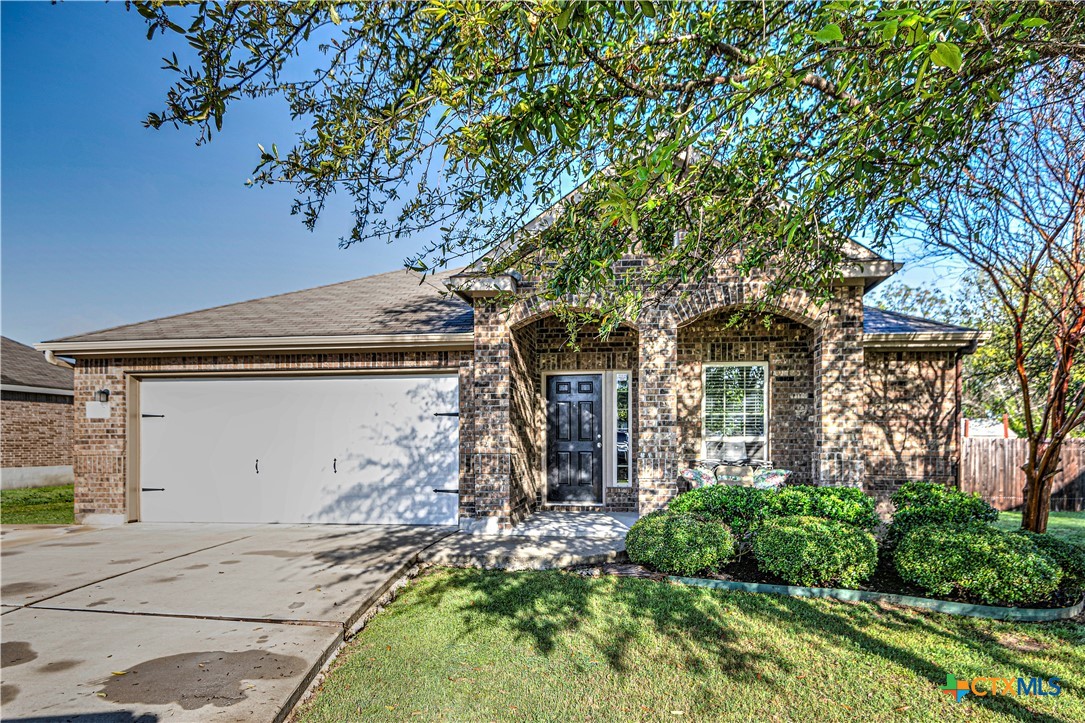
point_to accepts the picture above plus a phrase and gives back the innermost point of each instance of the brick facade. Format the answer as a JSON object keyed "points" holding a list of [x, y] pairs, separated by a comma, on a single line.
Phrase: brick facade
{"points": [[912, 418], [838, 414], [35, 429], [787, 347]]}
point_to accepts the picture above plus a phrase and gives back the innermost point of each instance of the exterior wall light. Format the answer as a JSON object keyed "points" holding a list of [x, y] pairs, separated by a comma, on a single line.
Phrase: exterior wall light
{"points": [[102, 395]]}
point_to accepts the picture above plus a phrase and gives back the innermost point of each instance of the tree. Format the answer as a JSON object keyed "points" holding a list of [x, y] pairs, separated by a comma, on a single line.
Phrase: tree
{"points": [[1016, 215], [694, 132]]}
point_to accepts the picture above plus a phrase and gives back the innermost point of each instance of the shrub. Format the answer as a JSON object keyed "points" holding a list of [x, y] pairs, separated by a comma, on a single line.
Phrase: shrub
{"points": [[978, 561], [737, 507], [1067, 555], [679, 543], [813, 551], [843, 504], [925, 503]]}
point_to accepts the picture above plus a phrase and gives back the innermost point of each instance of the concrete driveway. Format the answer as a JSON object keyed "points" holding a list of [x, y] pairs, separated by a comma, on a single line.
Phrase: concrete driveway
{"points": [[153, 622]]}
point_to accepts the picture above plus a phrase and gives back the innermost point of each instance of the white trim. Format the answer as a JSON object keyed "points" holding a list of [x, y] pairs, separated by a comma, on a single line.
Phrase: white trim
{"points": [[167, 347], [925, 340], [765, 406], [37, 390]]}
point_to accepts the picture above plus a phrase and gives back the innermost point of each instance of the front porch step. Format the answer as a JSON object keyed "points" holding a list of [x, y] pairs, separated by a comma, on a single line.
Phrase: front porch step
{"points": [[491, 552], [571, 507]]}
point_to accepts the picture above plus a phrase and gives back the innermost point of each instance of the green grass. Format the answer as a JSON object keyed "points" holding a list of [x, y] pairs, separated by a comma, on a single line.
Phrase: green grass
{"points": [[467, 645], [1069, 526], [38, 506]]}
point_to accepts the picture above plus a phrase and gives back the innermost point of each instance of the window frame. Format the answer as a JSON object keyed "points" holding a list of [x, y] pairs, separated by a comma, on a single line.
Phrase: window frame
{"points": [[705, 437]]}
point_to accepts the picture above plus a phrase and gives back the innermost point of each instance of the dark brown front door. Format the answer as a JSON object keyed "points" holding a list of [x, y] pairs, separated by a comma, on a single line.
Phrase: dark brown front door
{"points": [[574, 438]]}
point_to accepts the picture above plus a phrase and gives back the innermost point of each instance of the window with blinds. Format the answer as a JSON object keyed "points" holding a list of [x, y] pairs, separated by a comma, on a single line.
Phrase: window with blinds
{"points": [[734, 405]]}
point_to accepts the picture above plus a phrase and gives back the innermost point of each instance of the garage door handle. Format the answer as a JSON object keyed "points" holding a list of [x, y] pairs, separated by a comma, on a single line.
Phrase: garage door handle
{"points": [[334, 470], [257, 466], [152, 489], [446, 492], [446, 414], [148, 416]]}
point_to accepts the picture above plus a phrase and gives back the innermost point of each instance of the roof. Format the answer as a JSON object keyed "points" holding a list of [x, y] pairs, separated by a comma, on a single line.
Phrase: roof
{"points": [[392, 310], [22, 366], [882, 321], [393, 303]]}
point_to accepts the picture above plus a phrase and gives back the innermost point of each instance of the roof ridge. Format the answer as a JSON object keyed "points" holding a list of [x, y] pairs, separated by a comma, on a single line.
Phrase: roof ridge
{"points": [[267, 297]]}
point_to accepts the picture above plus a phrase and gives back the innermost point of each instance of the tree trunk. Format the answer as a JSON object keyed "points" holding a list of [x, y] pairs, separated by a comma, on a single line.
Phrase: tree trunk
{"points": [[1040, 470]]}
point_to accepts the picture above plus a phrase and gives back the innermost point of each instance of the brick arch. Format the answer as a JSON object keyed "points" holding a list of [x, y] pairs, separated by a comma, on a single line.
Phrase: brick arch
{"points": [[533, 308], [723, 296]]}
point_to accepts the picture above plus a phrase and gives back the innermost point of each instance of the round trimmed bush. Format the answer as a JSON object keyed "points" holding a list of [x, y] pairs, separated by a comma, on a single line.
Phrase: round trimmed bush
{"points": [[679, 543], [815, 552], [737, 507], [925, 503], [1068, 556], [843, 504], [977, 561]]}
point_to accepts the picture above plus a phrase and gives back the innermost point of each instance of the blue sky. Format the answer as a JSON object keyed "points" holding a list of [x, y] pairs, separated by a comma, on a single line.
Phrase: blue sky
{"points": [[105, 222]]}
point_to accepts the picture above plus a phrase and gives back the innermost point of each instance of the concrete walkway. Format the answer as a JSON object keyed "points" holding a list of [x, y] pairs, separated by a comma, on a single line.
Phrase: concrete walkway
{"points": [[185, 622], [543, 541]]}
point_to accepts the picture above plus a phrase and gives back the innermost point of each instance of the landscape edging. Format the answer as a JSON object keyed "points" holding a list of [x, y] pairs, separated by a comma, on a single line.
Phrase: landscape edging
{"points": [[942, 606]]}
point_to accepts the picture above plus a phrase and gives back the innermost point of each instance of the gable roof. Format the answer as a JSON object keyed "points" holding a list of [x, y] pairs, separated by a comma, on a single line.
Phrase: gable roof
{"points": [[22, 366], [398, 309], [378, 308]]}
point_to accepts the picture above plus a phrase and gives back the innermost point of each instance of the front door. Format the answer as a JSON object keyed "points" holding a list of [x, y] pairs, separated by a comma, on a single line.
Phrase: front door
{"points": [[574, 438]]}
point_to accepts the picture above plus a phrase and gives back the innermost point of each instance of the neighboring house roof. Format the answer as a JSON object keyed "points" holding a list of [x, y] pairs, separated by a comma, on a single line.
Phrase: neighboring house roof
{"points": [[23, 367], [377, 308], [397, 309]]}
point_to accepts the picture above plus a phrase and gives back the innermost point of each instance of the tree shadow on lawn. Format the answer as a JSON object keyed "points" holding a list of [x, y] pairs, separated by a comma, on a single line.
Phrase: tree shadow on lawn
{"points": [[709, 629]]}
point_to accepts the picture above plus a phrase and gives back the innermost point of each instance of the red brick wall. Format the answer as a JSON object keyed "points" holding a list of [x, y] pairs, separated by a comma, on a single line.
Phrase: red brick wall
{"points": [[910, 429], [35, 430], [101, 444], [786, 346]]}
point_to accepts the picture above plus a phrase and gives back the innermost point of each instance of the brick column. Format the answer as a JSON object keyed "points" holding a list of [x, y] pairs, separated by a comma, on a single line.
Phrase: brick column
{"points": [[99, 450], [491, 457], [840, 390], [657, 411]]}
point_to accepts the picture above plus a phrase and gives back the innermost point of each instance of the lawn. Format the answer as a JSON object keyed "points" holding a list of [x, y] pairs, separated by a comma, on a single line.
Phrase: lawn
{"points": [[471, 645], [1070, 526], [38, 506]]}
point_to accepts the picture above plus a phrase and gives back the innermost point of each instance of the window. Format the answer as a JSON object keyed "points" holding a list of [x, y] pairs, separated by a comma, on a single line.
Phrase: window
{"points": [[621, 428], [735, 411]]}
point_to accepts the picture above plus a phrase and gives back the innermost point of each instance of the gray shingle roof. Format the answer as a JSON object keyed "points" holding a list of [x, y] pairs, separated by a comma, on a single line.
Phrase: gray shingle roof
{"points": [[880, 321], [22, 365], [397, 302]]}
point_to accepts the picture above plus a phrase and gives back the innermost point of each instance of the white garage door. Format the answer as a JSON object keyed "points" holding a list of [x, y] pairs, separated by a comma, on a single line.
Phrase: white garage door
{"points": [[331, 449]]}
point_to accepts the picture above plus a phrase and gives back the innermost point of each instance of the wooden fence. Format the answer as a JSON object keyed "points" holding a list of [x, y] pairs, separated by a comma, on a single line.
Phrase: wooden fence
{"points": [[992, 467]]}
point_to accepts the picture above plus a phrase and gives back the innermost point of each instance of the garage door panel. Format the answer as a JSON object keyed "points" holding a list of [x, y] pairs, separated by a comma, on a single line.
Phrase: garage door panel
{"points": [[332, 450]]}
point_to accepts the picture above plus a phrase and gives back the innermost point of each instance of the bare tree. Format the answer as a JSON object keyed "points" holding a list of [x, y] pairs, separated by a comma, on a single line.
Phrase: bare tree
{"points": [[1017, 216]]}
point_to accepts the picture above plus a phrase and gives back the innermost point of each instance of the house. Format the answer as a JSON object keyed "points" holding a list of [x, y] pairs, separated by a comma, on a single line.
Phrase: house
{"points": [[35, 418], [387, 399]]}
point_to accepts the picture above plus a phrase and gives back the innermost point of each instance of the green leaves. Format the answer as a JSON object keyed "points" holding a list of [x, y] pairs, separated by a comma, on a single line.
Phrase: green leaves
{"points": [[456, 120], [946, 55], [829, 34]]}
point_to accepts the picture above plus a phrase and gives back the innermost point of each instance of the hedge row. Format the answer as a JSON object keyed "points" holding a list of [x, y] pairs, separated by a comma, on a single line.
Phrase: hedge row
{"points": [[940, 538], [742, 508]]}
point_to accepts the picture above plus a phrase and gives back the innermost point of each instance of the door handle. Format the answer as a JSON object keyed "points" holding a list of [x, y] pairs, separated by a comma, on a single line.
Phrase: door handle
{"points": [[334, 470], [152, 489], [257, 466]]}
